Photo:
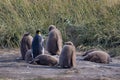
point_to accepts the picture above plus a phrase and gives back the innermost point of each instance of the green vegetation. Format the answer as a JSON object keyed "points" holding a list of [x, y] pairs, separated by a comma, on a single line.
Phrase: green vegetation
{"points": [[88, 23]]}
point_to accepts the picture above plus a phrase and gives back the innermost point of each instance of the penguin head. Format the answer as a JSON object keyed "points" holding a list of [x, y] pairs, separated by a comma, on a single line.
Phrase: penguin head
{"points": [[68, 43], [27, 33], [38, 31], [51, 27]]}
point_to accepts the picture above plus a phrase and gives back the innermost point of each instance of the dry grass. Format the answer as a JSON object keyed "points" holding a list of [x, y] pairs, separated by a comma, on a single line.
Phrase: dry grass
{"points": [[94, 22]]}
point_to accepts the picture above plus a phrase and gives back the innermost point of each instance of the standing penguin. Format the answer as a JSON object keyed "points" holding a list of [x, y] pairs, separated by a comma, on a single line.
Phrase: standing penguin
{"points": [[25, 44], [67, 57], [54, 41], [37, 44]]}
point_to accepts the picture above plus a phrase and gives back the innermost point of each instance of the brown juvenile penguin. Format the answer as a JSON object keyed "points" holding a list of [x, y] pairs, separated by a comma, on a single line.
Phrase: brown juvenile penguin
{"points": [[28, 56], [45, 60], [98, 57], [25, 44], [54, 41], [68, 56], [87, 52]]}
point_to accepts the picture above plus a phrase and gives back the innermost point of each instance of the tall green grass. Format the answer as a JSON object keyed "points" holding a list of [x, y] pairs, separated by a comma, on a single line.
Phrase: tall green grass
{"points": [[88, 23]]}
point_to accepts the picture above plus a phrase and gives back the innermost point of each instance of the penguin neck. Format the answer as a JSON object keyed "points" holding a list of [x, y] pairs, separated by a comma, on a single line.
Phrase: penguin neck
{"points": [[39, 34]]}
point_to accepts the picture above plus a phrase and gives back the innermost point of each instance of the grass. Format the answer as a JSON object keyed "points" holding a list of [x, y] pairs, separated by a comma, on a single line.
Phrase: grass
{"points": [[88, 23]]}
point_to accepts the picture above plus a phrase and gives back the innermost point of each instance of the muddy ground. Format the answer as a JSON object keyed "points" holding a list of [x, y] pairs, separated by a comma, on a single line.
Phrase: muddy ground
{"points": [[13, 69]]}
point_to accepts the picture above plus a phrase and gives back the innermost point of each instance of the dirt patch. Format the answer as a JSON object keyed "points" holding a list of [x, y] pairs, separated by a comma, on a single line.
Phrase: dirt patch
{"points": [[12, 68]]}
